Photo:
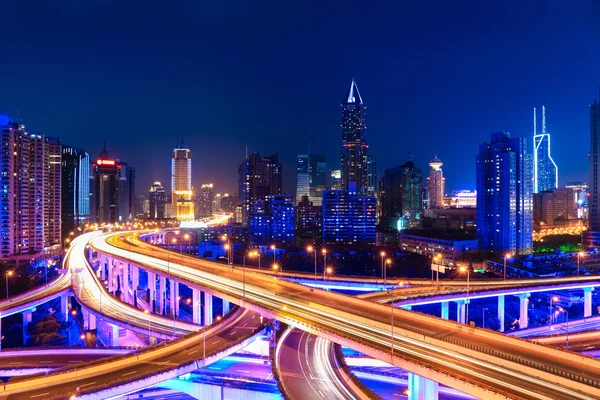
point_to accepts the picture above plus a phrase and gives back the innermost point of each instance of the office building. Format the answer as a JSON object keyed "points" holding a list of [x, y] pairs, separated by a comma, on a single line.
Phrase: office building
{"points": [[435, 184], [182, 205], [204, 202], [371, 175], [580, 196], [303, 177], [348, 218], [451, 245], [308, 221], [401, 196], [228, 204], [554, 208], [30, 201], [545, 171], [336, 179], [505, 195], [273, 219], [591, 237], [75, 191], [312, 177], [113, 197], [461, 199], [157, 199], [353, 163], [258, 177]]}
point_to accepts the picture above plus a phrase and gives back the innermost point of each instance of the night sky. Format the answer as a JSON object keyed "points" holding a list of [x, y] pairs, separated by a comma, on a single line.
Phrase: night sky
{"points": [[437, 78]]}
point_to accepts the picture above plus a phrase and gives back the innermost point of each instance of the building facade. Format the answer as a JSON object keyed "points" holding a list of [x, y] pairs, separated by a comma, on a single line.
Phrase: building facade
{"points": [[353, 162], [451, 245], [545, 171], [308, 221], [30, 212], [372, 175], [348, 218], [554, 208], [258, 177], [435, 184], [75, 191], [182, 205], [273, 219], [591, 237], [204, 203], [505, 195], [157, 200], [112, 184]]}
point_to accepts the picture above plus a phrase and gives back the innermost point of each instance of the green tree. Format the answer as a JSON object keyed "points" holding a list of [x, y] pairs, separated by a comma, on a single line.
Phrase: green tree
{"points": [[48, 332]]}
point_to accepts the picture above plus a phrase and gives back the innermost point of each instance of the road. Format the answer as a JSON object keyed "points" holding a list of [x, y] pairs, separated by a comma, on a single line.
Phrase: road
{"points": [[62, 384], [307, 368], [361, 321], [54, 358]]}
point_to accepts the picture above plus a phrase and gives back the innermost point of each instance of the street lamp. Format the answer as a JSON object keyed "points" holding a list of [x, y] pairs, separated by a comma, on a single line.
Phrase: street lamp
{"points": [[310, 249], [276, 267], [391, 292], [507, 256], [324, 252], [560, 309], [8, 274], [328, 271], [149, 330], [187, 237], [437, 259], [48, 264], [553, 299], [274, 253], [388, 264], [580, 255], [227, 249], [466, 269], [382, 254]]}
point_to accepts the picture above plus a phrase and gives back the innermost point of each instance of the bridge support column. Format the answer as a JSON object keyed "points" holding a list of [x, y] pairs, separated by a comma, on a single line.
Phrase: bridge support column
{"points": [[420, 388], [113, 334], [587, 301], [89, 320], [501, 312], [196, 305], [65, 306], [90, 254], [445, 310], [125, 284], [208, 308], [111, 278], [173, 297], [523, 310], [26, 322], [135, 282], [151, 289], [162, 289], [226, 307], [461, 311]]}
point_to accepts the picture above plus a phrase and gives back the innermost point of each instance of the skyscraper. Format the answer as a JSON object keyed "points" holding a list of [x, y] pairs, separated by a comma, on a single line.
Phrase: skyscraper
{"points": [[30, 200], [312, 177], [204, 205], [273, 218], [505, 195], [303, 177], [371, 175], [435, 184], [545, 171], [182, 206], [157, 198], [258, 177], [348, 218], [75, 190], [353, 163], [112, 185], [591, 237]]}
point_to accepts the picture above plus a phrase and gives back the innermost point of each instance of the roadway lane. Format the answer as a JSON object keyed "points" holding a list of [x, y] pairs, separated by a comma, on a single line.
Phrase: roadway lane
{"points": [[241, 326], [353, 318], [53, 358], [307, 368]]}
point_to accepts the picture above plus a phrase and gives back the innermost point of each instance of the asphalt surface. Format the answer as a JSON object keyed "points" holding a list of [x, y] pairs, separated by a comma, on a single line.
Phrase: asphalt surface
{"points": [[51, 358], [299, 302], [234, 330]]}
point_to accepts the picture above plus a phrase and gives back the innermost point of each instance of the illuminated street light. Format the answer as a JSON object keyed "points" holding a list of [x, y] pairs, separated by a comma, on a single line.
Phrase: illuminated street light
{"points": [[507, 256], [580, 255], [382, 254], [465, 269], [311, 249], [8, 275]]}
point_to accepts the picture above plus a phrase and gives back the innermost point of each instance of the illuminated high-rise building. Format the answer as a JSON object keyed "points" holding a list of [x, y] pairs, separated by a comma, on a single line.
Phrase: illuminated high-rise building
{"points": [[505, 195], [204, 203], [182, 205], [312, 177], [30, 200], [545, 171], [113, 198], [75, 189], [371, 175], [258, 177], [591, 237], [303, 177], [435, 184], [348, 217], [157, 198], [353, 162]]}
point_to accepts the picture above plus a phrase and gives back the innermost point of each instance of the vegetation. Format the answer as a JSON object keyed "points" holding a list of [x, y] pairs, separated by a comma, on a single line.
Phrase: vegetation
{"points": [[552, 243], [48, 331]]}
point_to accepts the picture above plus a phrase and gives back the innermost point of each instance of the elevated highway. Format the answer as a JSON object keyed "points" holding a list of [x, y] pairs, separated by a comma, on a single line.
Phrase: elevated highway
{"points": [[472, 360]]}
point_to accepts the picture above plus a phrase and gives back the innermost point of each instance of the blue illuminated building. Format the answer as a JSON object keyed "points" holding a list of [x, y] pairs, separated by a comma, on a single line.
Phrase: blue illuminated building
{"points": [[505, 195], [545, 171], [273, 219], [75, 190], [348, 217]]}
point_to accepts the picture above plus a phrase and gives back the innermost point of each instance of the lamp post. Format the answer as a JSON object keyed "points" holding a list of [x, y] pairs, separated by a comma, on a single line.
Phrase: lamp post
{"points": [[48, 264], [227, 250], [328, 271], [276, 267], [149, 330], [579, 256], [324, 252], [274, 249], [8, 274], [507, 256], [391, 292], [437, 259], [567, 325], [187, 237], [388, 262], [227, 246], [310, 249], [466, 269], [484, 310], [553, 299], [382, 254]]}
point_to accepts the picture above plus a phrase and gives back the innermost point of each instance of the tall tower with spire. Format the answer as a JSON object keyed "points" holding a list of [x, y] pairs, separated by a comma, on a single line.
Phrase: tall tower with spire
{"points": [[353, 163], [435, 184], [545, 171]]}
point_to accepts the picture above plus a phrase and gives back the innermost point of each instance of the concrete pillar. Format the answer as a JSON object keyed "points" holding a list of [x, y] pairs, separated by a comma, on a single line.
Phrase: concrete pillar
{"points": [[587, 301], [113, 335], [102, 267], [89, 320], [135, 282], [196, 305], [523, 310], [420, 388], [176, 298], [225, 307], [501, 312], [445, 310], [26, 322], [162, 295], [461, 311], [65, 306], [90, 254], [208, 308], [151, 289], [125, 284], [111, 277]]}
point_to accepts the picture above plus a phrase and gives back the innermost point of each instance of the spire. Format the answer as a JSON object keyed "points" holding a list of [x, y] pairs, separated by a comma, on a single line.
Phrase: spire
{"points": [[104, 155], [534, 122], [353, 95], [543, 119]]}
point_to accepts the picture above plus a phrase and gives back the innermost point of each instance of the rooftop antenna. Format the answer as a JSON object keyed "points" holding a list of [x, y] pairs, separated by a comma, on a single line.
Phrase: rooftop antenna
{"points": [[543, 119], [534, 122]]}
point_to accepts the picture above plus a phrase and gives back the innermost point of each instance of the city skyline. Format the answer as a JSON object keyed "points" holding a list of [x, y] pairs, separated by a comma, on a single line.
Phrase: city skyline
{"points": [[401, 95]]}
